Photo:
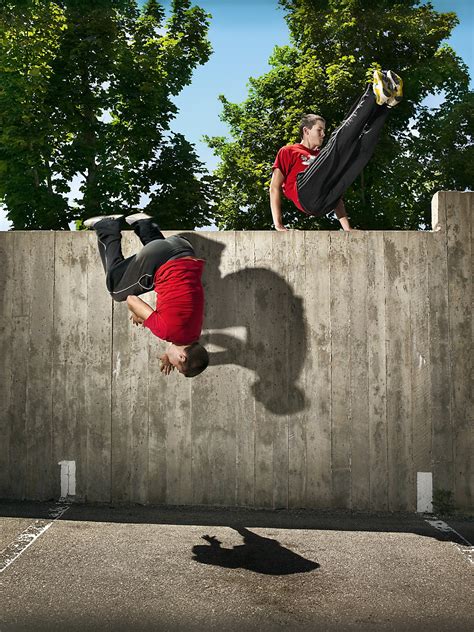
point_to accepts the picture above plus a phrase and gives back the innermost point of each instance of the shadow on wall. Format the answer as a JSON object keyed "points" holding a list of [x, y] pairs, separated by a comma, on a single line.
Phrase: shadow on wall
{"points": [[263, 304], [257, 554]]}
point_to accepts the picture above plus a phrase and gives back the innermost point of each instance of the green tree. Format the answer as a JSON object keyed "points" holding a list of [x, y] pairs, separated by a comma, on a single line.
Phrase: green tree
{"points": [[335, 45], [86, 90]]}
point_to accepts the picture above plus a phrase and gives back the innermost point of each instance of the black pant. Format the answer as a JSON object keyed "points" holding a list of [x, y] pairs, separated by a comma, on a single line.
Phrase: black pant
{"points": [[135, 275], [348, 150]]}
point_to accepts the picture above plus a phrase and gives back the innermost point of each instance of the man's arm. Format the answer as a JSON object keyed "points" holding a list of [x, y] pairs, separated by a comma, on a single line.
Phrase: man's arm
{"points": [[341, 214], [275, 198], [140, 310]]}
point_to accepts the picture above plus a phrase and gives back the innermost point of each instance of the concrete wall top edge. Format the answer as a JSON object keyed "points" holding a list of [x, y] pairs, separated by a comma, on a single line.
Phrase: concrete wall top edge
{"points": [[438, 198]]}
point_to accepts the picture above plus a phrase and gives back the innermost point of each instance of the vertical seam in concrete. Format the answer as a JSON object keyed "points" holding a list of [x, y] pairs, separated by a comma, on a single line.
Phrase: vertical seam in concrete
{"points": [[254, 398], [426, 238], [368, 365], [190, 431], [450, 347], [367, 372], [87, 400], [303, 369], [54, 346], [412, 475], [147, 486], [385, 360], [351, 368], [111, 496], [287, 416], [430, 332], [51, 421], [27, 482], [330, 364], [387, 434]]}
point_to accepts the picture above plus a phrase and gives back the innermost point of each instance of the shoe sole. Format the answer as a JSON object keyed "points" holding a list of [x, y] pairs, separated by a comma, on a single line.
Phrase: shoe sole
{"points": [[397, 83], [397, 89], [135, 218], [393, 101], [92, 221]]}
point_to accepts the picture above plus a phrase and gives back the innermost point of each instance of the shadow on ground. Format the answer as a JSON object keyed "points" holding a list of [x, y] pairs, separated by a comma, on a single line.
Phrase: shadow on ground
{"points": [[257, 554]]}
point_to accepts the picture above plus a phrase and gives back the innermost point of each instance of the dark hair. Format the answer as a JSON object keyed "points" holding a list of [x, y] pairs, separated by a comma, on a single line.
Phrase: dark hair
{"points": [[308, 120], [197, 360]]}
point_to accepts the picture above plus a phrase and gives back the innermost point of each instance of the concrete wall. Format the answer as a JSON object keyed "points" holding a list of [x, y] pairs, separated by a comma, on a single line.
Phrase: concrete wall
{"points": [[341, 367]]}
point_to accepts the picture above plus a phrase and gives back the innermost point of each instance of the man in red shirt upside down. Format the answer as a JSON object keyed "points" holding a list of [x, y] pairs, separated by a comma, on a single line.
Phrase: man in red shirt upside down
{"points": [[170, 267], [315, 179]]}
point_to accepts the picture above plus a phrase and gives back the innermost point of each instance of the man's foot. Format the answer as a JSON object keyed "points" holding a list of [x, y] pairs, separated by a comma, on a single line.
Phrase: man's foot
{"points": [[396, 87], [381, 87], [92, 221], [136, 217]]}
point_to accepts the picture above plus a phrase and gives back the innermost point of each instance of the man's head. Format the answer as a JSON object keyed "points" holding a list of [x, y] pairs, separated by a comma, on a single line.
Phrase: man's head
{"points": [[190, 360], [312, 128]]}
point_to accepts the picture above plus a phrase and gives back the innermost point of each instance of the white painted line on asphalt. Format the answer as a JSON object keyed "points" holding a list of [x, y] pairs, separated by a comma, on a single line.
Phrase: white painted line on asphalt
{"points": [[26, 538], [467, 550]]}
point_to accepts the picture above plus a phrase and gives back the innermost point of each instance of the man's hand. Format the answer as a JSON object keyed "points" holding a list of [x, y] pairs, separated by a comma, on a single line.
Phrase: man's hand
{"points": [[136, 320], [166, 367], [280, 227]]}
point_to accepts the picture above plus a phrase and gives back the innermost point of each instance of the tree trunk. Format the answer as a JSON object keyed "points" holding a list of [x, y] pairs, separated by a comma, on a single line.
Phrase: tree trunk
{"points": [[92, 202]]}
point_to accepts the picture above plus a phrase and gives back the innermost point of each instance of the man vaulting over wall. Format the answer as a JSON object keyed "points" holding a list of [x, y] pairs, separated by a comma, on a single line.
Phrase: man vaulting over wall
{"points": [[315, 179], [170, 267]]}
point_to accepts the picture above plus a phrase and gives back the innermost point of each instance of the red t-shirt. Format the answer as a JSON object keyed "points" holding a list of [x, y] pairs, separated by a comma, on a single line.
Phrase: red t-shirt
{"points": [[291, 160], [179, 311]]}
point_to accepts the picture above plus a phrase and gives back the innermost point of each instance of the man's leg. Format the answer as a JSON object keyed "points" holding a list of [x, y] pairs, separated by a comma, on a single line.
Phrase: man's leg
{"points": [[109, 239], [135, 275], [362, 153], [318, 189], [139, 275], [342, 138], [145, 228]]}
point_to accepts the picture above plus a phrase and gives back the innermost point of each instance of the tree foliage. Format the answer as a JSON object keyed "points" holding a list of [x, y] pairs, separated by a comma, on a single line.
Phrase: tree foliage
{"points": [[335, 45], [86, 89]]}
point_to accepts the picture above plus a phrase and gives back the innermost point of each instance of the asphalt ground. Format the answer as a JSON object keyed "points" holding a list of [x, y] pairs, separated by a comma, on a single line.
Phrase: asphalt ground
{"points": [[76, 567]]}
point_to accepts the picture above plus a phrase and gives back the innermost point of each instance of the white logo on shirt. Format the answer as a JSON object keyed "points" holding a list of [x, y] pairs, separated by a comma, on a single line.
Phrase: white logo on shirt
{"points": [[307, 160]]}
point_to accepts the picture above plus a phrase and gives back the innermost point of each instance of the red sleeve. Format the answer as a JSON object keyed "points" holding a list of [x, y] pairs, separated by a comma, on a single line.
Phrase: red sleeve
{"points": [[156, 325], [282, 161]]}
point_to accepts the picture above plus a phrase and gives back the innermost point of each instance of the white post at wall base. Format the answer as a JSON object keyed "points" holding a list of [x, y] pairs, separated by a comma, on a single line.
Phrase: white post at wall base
{"points": [[424, 492], [68, 478]]}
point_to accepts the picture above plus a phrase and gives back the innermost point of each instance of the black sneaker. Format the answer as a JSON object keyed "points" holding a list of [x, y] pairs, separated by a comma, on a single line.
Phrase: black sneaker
{"points": [[92, 221]]}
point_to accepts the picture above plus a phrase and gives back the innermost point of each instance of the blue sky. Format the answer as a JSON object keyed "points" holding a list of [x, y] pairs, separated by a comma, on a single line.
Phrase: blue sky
{"points": [[243, 35]]}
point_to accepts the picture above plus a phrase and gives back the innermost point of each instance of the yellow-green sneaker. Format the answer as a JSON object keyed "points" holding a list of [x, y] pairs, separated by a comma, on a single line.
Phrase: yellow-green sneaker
{"points": [[380, 87]]}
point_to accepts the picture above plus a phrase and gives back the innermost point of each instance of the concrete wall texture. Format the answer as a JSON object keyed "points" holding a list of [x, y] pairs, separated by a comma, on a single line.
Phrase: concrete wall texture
{"points": [[341, 367]]}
